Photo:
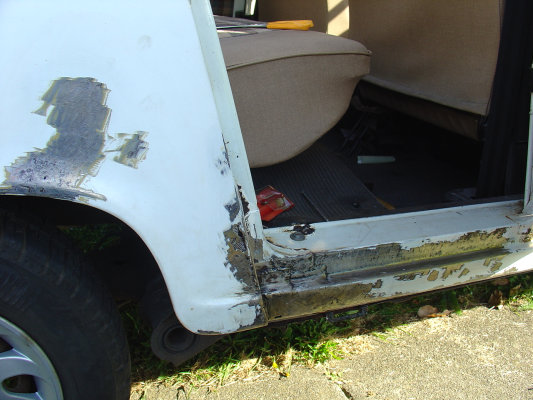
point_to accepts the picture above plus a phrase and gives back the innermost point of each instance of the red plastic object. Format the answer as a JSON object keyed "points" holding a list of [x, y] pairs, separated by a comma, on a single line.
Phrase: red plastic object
{"points": [[272, 203]]}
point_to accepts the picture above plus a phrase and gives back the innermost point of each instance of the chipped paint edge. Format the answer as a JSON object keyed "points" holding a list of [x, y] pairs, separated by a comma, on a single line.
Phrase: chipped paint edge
{"points": [[316, 283]]}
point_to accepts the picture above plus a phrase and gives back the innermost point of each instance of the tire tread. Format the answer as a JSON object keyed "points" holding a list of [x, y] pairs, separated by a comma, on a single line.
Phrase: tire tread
{"points": [[41, 251]]}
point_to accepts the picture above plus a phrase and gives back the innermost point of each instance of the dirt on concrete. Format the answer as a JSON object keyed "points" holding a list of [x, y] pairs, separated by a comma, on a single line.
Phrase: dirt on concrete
{"points": [[481, 354]]}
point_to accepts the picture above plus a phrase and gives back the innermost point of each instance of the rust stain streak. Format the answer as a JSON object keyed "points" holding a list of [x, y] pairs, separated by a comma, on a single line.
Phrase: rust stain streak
{"points": [[464, 272], [433, 275], [450, 269], [318, 282]]}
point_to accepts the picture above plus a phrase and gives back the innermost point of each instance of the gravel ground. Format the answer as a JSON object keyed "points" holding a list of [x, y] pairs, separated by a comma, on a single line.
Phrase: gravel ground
{"points": [[480, 354]]}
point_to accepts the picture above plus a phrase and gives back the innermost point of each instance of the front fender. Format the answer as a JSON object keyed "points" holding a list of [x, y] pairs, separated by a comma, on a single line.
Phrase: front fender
{"points": [[113, 106]]}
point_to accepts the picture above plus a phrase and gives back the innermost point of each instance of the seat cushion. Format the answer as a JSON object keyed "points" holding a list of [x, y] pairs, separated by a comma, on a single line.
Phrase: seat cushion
{"points": [[289, 87]]}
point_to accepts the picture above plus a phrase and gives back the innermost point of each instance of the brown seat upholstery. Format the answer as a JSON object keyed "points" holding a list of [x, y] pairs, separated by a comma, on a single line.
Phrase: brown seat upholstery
{"points": [[290, 87]]}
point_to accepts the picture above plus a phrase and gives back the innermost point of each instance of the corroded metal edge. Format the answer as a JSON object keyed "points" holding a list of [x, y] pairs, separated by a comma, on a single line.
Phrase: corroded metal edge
{"points": [[320, 282]]}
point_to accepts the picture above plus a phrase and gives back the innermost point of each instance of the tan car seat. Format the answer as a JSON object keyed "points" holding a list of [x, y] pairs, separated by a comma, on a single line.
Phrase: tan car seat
{"points": [[432, 59], [290, 87]]}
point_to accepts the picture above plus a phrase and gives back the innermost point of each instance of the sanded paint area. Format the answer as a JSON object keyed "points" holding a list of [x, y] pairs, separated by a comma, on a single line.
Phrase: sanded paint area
{"points": [[80, 117]]}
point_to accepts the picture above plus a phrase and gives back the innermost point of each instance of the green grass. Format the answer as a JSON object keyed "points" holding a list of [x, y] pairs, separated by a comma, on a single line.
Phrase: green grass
{"points": [[235, 356], [521, 292], [91, 238]]}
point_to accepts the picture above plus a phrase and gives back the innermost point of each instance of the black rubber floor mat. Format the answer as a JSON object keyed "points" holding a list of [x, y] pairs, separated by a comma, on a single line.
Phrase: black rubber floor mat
{"points": [[321, 186]]}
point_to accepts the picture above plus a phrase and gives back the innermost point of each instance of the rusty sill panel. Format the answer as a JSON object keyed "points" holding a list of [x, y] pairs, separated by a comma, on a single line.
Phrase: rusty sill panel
{"points": [[322, 281]]}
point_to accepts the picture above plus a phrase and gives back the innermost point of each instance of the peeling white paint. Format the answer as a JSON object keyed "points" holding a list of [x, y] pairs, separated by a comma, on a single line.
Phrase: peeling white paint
{"points": [[511, 264], [409, 229]]}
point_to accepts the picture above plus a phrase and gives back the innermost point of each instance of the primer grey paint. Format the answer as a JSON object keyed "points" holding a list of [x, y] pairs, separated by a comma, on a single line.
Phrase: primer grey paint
{"points": [[76, 151], [131, 149]]}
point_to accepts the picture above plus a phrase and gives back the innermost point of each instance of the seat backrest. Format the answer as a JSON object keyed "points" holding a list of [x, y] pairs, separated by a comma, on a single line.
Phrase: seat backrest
{"points": [[432, 59], [329, 16], [444, 51]]}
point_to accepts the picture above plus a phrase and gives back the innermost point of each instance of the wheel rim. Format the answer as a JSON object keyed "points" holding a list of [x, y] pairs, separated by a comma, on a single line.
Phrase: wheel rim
{"points": [[25, 370]]}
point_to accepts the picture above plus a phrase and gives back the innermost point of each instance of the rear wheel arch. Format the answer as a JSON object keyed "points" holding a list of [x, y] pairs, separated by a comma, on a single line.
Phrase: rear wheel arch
{"points": [[142, 281], [61, 213]]}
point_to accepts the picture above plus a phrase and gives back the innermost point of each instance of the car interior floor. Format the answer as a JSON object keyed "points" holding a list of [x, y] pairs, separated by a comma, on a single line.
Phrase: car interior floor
{"points": [[373, 164]]}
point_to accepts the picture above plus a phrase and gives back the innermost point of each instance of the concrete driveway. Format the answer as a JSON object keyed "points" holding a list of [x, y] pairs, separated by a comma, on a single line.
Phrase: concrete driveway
{"points": [[481, 354]]}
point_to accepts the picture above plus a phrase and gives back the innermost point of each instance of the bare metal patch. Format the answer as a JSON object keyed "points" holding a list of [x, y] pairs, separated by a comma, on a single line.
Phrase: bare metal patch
{"points": [[233, 208], [239, 263], [77, 149], [131, 148], [223, 164], [240, 247]]}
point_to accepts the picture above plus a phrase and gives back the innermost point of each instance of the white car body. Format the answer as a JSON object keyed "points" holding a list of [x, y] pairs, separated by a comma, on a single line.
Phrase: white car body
{"points": [[188, 191]]}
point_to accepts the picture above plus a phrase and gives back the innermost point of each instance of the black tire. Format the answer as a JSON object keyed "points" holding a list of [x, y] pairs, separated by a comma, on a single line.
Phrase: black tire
{"points": [[50, 294]]}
